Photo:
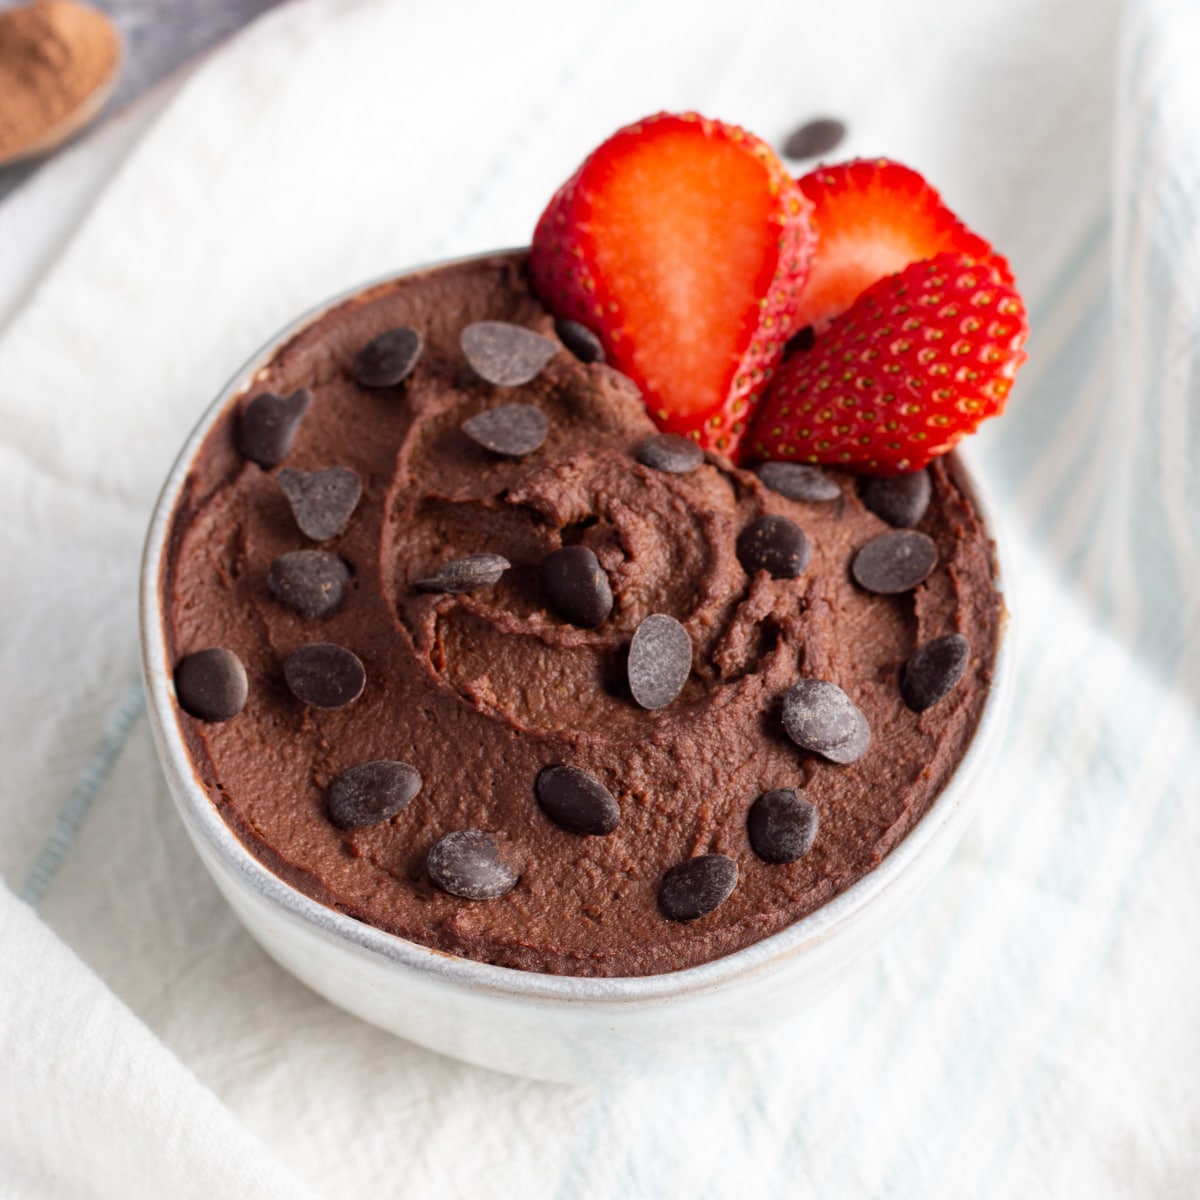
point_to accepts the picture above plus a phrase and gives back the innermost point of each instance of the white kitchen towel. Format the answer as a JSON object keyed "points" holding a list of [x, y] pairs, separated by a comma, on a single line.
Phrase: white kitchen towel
{"points": [[1029, 1029]]}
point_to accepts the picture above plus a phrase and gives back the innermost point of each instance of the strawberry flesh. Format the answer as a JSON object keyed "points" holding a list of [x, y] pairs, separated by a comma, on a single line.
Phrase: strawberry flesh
{"points": [[682, 243], [873, 218]]}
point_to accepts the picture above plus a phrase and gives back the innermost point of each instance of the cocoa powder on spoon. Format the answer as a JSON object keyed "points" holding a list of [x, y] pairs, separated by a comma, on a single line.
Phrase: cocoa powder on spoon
{"points": [[58, 64]]}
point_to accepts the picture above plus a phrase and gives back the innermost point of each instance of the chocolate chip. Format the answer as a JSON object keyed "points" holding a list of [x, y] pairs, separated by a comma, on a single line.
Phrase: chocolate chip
{"points": [[576, 586], [211, 684], [819, 716], [580, 340], [466, 574], [773, 544], [697, 887], [506, 355], [322, 501], [894, 562], [814, 138], [468, 864], [577, 801], [782, 825], [798, 481], [660, 660], [934, 671], [388, 358], [268, 425], [372, 792], [800, 341], [324, 675], [900, 500], [851, 750], [669, 452], [313, 582], [511, 429]]}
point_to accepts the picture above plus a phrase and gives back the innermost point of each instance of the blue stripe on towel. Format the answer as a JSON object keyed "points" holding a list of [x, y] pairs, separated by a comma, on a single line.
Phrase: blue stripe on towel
{"points": [[91, 779]]}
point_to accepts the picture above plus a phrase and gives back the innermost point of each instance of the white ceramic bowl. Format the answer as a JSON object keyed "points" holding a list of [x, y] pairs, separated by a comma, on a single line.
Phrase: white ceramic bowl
{"points": [[544, 1026]]}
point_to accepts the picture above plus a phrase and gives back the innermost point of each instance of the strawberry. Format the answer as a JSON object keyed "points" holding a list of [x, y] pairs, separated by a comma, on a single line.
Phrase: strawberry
{"points": [[910, 368], [682, 243], [873, 218]]}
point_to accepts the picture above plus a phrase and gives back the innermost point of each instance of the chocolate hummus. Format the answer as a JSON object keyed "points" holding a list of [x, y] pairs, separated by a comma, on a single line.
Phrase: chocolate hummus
{"points": [[475, 683]]}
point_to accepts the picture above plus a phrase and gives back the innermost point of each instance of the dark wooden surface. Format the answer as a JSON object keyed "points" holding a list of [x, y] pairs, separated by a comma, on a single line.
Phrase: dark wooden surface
{"points": [[160, 35]]}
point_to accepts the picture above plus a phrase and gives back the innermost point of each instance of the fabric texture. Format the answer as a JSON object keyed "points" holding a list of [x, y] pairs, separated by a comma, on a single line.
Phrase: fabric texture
{"points": [[1027, 1029]]}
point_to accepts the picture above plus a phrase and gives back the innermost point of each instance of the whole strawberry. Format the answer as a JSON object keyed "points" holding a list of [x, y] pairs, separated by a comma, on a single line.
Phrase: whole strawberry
{"points": [[682, 243], [908, 370]]}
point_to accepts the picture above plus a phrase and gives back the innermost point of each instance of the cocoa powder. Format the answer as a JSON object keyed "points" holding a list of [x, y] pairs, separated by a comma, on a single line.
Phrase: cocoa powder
{"points": [[54, 56]]}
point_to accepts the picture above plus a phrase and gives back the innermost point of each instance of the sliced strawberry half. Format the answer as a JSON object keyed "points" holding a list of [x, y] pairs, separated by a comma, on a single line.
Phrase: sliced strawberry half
{"points": [[682, 243], [912, 367], [874, 217]]}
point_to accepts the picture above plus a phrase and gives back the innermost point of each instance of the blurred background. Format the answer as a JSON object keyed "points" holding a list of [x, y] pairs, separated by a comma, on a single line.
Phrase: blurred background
{"points": [[159, 37]]}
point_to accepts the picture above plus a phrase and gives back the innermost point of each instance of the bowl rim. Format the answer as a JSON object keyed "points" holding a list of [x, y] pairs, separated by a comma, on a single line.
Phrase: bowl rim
{"points": [[210, 830]]}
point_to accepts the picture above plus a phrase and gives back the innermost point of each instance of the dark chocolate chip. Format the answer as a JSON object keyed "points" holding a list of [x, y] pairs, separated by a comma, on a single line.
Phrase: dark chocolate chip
{"points": [[511, 429], [580, 340], [324, 675], [894, 562], [372, 792], [697, 887], [800, 341], [468, 864], [268, 425], [388, 358], [819, 716], [773, 544], [322, 501], [900, 500], [466, 574], [506, 355], [934, 671], [660, 660], [798, 481], [814, 138], [669, 452], [576, 585], [577, 801], [854, 747], [313, 582], [211, 684], [782, 825]]}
